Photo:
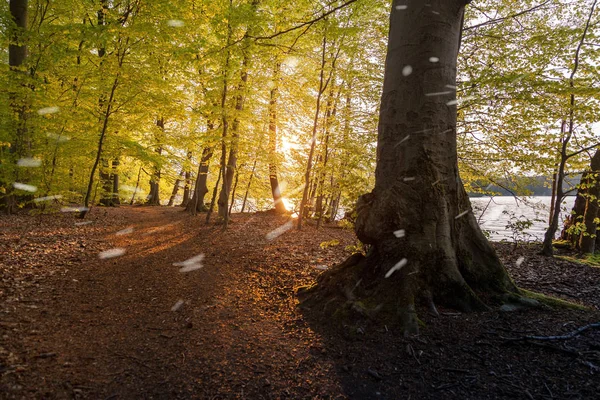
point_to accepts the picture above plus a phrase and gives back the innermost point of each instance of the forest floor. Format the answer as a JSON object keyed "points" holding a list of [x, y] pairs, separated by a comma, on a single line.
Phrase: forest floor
{"points": [[73, 325]]}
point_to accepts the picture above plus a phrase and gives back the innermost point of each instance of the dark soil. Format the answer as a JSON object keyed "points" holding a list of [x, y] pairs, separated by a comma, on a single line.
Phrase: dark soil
{"points": [[73, 325]]}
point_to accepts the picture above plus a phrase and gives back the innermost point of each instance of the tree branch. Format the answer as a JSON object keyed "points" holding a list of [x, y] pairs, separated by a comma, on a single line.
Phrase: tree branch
{"points": [[583, 150], [311, 22], [562, 337], [495, 21]]}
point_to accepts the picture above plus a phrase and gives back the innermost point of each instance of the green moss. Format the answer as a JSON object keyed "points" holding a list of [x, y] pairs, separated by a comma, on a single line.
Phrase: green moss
{"points": [[592, 260], [553, 302], [562, 244]]}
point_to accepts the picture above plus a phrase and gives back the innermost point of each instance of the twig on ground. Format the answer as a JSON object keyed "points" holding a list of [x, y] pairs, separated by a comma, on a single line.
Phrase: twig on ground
{"points": [[561, 337]]}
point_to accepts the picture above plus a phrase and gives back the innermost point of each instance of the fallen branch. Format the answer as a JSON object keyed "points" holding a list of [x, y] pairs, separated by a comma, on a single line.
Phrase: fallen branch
{"points": [[562, 337]]}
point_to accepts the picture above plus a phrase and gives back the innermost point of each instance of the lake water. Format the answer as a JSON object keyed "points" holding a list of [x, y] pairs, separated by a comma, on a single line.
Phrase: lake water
{"points": [[500, 209]]}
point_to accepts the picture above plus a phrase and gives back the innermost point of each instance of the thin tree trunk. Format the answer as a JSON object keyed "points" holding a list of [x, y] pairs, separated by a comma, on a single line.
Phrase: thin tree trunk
{"points": [[215, 191], [186, 188], [106, 105], [547, 248], [323, 83], [239, 106], [137, 184], [175, 189], [115, 179], [329, 116], [107, 114], [248, 187], [273, 179], [237, 176], [233, 150], [154, 196], [553, 196]]}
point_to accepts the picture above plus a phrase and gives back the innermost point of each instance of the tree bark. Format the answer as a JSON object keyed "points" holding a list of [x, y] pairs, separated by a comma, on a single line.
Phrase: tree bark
{"points": [[273, 180], [443, 256], [248, 187], [313, 143], [580, 228], [233, 149], [188, 175], [154, 195], [587, 240], [17, 55], [175, 188], [106, 198], [137, 185], [197, 203], [115, 180], [237, 177], [575, 220], [547, 248]]}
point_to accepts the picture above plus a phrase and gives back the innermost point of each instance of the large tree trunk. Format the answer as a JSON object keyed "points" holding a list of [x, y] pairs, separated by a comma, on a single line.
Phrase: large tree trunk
{"points": [[17, 54], [570, 231], [579, 227], [417, 186], [197, 203]]}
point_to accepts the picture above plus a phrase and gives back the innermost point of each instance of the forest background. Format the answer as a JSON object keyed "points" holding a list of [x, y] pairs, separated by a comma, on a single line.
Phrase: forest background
{"points": [[270, 102]]}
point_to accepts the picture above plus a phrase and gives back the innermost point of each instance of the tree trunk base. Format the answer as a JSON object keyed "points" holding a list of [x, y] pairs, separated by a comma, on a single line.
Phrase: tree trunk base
{"points": [[354, 292]]}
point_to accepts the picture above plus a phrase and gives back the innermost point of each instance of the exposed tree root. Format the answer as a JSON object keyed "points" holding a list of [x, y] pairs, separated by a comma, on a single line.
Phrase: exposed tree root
{"points": [[351, 293]]}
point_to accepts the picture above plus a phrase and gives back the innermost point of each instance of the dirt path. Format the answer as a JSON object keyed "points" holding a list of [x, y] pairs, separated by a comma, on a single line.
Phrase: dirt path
{"points": [[76, 326]]}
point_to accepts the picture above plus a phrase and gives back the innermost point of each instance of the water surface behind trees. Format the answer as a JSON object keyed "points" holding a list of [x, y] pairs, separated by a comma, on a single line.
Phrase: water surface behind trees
{"points": [[495, 214]]}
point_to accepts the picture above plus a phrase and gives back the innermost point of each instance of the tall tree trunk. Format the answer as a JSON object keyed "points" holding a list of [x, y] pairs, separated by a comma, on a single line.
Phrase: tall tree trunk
{"points": [[105, 119], [580, 226], [329, 116], [323, 83], [237, 177], [197, 203], [215, 191], [233, 148], [575, 220], [175, 189], [587, 241], [248, 187], [313, 143], [115, 180], [137, 185], [154, 195], [239, 106], [17, 55], [443, 256], [106, 105], [188, 174], [547, 248], [273, 179], [106, 198]]}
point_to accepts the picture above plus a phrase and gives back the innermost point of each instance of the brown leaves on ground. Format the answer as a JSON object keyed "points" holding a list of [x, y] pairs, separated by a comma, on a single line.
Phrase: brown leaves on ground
{"points": [[77, 326]]}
